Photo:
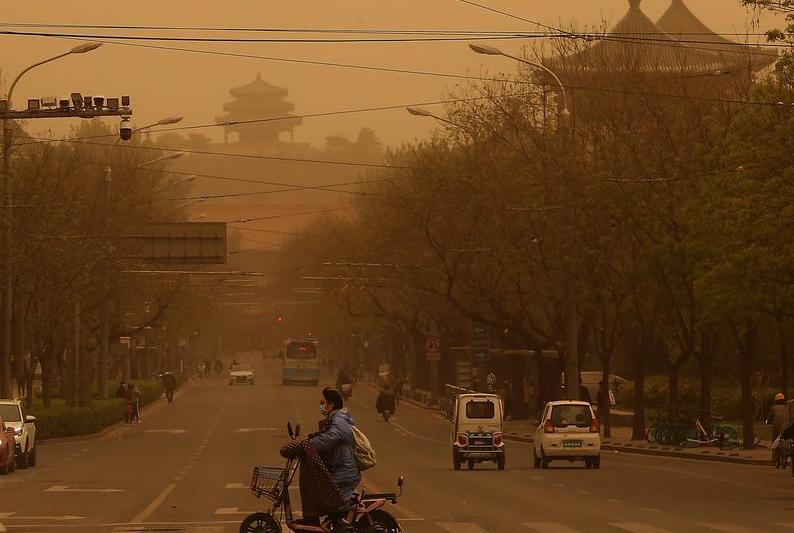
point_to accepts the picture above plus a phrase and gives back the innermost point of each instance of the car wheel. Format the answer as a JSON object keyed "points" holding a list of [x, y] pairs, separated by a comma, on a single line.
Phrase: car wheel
{"points": [[6, 468], [471, 464], [32, 456], [544, 461], [22, 460], [596, 461], [500, 462], [588, 463], [535, 458], [455, 460]]}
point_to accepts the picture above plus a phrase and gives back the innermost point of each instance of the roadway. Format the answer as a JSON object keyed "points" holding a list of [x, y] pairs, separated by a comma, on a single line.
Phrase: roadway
{"points": [[186, 467]]}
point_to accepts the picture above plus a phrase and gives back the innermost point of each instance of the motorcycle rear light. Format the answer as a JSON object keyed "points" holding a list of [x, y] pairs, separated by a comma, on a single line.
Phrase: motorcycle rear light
{"points": [[548, 426], [594, 426], [463, 440], [497, 440]]}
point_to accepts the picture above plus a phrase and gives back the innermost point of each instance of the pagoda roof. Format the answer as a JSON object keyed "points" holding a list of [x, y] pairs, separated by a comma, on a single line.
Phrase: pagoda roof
{"points": [[637, 43], [680, 22], [259, 87]]}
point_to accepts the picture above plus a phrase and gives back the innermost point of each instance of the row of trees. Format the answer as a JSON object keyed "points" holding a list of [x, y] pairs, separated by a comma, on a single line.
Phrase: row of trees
{"points": [[659, 213], [75, 207]]}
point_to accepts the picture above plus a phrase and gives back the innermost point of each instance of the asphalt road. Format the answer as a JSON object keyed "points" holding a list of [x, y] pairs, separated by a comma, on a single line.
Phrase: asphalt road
{"points": [[186, 467]]}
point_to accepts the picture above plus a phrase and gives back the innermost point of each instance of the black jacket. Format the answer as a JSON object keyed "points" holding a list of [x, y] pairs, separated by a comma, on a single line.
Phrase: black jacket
{"points": [[385, 402]]}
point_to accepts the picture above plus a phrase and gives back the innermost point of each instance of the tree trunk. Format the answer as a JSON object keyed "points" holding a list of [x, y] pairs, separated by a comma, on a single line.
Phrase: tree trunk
{"points": [[706, 380], [747, 343], [604, 407], [783, 361], [673, 371], [638, 431]]}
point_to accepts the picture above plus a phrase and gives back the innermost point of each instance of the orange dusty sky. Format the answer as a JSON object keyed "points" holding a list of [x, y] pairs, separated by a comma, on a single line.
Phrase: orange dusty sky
{"points": [[167, 82]]}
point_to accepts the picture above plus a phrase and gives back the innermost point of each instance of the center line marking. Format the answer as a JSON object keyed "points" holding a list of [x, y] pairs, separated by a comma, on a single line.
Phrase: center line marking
{"points": [[152, 507]]}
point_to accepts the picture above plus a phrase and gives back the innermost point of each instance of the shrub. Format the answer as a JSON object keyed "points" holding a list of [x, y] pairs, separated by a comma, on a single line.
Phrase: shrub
{"points": [[58, 420]]}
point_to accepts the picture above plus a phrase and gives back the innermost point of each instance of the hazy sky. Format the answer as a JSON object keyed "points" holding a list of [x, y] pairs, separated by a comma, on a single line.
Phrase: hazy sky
{"points": [[164, 83]]}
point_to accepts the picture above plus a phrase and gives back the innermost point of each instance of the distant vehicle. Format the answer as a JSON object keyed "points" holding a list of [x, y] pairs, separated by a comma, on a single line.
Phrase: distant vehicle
{"points": [[13, 415], [7, 449], [568, 430], [241, 374], [477, 429], [300, 362]]}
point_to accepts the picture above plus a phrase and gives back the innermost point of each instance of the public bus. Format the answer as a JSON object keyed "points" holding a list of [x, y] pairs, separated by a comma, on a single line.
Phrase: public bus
{"points": [[300, 361]]}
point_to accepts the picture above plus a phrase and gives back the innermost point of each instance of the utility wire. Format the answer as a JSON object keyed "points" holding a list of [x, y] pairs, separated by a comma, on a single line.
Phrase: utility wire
{"points": [[288, 215]]}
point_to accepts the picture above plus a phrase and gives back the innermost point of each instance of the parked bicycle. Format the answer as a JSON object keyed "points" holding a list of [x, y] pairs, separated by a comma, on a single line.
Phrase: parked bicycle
{"points": [[722, 436], [365, 516], [671, 426]]}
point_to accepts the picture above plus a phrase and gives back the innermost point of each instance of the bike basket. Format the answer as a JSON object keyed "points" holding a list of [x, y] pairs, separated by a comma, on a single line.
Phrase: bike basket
{"points": [[269, 481]]}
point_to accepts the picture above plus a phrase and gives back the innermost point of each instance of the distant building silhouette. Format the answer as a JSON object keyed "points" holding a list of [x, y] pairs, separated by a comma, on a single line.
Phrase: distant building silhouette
{"points": [[254, 101]]}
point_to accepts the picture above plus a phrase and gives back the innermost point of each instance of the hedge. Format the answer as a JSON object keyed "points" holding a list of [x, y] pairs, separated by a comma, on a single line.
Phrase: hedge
{"points": [[58, 420]]}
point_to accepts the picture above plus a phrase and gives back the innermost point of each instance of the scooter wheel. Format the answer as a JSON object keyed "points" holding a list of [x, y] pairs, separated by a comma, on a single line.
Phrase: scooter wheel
{"points": [[260, 523]]}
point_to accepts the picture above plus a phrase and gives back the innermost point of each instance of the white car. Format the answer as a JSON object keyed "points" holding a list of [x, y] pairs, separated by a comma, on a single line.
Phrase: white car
{"points": [[567, 430], [13, 415], [241, 374]]}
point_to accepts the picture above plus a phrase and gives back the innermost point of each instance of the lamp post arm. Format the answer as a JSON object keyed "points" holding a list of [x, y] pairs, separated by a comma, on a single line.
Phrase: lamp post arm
{"points": [[28, 69], [546, 69]]}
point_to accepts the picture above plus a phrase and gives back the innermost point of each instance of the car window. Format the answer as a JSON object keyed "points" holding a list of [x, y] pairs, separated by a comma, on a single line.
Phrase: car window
{"points": [[10, 412], [571, 415], [241, 368], [480, 409]]}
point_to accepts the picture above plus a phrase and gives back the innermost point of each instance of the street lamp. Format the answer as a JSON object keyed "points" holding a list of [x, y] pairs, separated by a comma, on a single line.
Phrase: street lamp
{"points": [[169, 157], [162, 122], [493, 51], [571, 321], [422, 112], [8, 289]]}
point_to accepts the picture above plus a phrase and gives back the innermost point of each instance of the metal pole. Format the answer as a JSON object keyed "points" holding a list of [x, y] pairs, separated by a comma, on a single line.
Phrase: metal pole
{"points": [[104, 350], [5, 363]]}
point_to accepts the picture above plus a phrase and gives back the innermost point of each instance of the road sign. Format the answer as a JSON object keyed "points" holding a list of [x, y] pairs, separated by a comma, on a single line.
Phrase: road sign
{"points": [[433, 349], [480, 342], [184, 243]]}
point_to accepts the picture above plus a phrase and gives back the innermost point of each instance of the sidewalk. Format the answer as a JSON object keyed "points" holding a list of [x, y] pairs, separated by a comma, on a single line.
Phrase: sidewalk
{"points": [[620, 441]]}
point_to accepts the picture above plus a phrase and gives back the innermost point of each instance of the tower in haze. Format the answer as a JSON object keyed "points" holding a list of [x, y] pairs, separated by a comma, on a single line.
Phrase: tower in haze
{"points": [[263, 102]]}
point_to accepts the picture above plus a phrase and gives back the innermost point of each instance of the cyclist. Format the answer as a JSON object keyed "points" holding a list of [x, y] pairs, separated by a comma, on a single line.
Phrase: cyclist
{"points": [[386, 401]]}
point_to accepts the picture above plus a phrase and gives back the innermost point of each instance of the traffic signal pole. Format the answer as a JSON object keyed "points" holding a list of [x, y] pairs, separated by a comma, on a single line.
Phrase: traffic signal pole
{"points": [[85, 110]]}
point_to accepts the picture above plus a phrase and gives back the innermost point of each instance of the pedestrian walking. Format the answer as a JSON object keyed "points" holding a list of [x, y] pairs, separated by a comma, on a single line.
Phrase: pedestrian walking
{"points": [[135, 396], [779, 419], [129, 404], [169, 385]]}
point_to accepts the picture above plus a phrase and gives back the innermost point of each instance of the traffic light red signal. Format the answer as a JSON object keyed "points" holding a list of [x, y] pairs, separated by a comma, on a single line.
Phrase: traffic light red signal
{"points": [[279, 319]]}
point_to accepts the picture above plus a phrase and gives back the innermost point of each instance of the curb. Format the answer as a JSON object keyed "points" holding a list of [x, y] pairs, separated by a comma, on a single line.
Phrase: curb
{"points": [[665, 451]]}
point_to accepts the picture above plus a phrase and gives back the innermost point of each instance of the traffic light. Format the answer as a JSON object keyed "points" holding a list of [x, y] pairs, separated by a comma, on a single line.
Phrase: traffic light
{"points": [[280, 320]]}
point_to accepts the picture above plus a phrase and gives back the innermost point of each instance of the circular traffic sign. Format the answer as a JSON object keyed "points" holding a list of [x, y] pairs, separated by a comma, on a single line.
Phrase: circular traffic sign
{"points": [[432, 344]]}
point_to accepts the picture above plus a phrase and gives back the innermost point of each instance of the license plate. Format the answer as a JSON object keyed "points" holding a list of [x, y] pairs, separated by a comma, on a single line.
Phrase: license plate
{"points": [[571, 444]]}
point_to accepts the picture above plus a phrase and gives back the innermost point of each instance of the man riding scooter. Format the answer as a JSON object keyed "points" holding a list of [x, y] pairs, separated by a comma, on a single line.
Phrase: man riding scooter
{"points": [[386, 404]]}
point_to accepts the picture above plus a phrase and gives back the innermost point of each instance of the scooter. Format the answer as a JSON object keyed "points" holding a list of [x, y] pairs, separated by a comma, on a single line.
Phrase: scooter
{"points": [[387, 414], [366, 514]]}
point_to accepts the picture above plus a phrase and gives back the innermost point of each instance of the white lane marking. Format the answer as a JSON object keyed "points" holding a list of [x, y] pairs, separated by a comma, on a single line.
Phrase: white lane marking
{"points": [[727, 528], [461, 527], [549, 527], [636, 527], [585, 492], [417, 436], [535, 478], [152, 507], [251, 430], [613, 500], [236, 486], [559, 484], [13, 516], [650, 509], [786, 525], [65, 488], [171, 431]]}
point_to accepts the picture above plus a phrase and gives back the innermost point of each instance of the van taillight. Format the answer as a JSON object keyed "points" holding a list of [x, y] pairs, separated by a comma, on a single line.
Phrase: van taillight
{"points": [[463, 440], [594, 426], [497, 439], [548, 426]]}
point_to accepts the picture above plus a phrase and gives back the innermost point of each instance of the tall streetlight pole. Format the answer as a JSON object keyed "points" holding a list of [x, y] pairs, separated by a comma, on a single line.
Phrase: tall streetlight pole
{"points": [[8, 288], [571, 320]]}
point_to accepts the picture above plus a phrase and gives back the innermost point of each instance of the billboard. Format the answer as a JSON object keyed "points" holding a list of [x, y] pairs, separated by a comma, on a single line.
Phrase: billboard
{"points": [[184, 243]]}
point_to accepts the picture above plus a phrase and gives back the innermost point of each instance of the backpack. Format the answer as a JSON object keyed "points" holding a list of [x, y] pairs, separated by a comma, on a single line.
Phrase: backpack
{"points": [[362, 451]]}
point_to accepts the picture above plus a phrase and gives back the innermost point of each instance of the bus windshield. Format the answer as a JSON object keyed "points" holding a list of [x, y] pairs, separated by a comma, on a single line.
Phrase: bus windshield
{"points": [[301, 350]]}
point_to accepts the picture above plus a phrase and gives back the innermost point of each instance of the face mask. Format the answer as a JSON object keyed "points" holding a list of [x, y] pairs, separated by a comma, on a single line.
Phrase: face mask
{"points": [[323, 410]]}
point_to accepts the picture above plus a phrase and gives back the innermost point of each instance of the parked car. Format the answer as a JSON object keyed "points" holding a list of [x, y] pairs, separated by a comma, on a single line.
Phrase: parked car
{"points": [[13, 415], [242, 374], [7, 449], [568, 429]]}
